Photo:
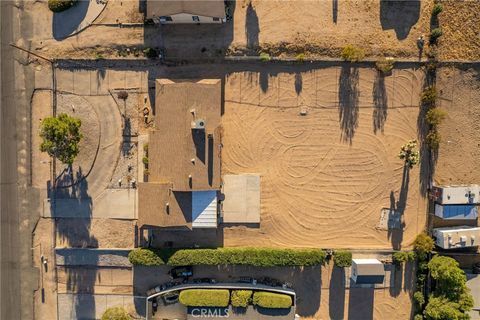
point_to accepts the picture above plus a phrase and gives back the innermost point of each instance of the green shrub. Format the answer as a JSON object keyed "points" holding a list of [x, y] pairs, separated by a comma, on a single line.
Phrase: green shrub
{"points": [[435, 34], [60, 5], [437, 9], [384, 65], [352, 54], [419, 298], [272, 300], [403, 256], [265, 57], [116, 313], [150, 53], [205, 297], [433, 139], [300, 57], [342, 258], [145, 257], [241, 298], [259, 257], [409, 153], [441, 308], [145, 160], [450, 279], [418, 317], [429, 95], [435, 116], [423, 245], [145, 148]]}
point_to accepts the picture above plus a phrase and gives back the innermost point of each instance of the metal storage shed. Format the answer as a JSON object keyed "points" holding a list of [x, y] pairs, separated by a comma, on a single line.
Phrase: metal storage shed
{"points": [[367, 271]]}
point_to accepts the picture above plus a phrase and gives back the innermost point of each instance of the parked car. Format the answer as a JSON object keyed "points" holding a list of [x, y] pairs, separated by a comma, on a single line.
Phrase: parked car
{"points": [[181, 272]]}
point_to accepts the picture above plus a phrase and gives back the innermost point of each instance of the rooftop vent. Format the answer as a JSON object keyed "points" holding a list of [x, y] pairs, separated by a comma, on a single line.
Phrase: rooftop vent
{"points": [[198, 124]]}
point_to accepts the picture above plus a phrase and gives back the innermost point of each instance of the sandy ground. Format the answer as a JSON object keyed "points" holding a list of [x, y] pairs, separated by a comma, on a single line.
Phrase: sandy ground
{"points": [[326, 176], [460, 22], [460, 147]]}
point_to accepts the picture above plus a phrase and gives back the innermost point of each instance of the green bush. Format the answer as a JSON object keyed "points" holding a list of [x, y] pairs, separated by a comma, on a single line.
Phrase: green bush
{"points": [[435, 116], [437, 9], [150, 53], [60, 5], [259, 257], [433, 139], [418, 317], [342, 258], [403, 256], [265, 57], [241, 298], [441, 308], [384, 65], [116, 313], [423, 245], [300, 57], [429, 95], [205, 297], [352, 54], [435, 34], [145, 160], [450, 279], [272, 300], [419, 298], [145, 257]]}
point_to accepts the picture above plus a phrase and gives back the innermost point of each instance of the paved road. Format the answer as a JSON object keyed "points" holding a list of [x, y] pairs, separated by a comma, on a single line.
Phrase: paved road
{"points": [[15, 229]]}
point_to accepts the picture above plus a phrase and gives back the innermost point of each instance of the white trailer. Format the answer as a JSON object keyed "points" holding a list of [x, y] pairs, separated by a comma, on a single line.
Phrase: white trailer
{"points": [[464, 194], [457, 237]]}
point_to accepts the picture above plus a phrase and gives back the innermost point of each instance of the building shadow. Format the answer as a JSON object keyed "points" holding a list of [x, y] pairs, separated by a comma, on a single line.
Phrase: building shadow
{"points": [[399, 15], [380, 103], [252, 28], [348, 96], [360, 303], [336, 301], [66, 22], [198, 137]]}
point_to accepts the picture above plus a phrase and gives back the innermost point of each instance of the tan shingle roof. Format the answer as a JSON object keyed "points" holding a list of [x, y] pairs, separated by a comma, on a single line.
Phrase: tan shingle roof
{"points": [[207, 8]]}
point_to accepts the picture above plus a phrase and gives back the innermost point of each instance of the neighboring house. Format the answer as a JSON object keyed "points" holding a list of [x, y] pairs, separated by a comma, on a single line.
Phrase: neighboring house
{"points": [[186, 11], [457, 237], [456, 202]]}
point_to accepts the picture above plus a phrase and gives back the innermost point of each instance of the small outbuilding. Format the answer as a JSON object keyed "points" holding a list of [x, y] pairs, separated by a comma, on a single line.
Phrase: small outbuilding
{"points": [[457, 237], [367, 271]]}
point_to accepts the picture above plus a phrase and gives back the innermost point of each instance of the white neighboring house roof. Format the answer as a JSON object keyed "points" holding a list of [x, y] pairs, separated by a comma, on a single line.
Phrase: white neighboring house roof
{"points": [[464, 194], [204, 209], [206, 8], [457, 237]]}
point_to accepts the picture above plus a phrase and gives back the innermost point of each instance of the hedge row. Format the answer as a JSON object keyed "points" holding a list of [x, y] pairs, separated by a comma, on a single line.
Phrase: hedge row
{"points": [[272, 300], [205, 297], [259, 257], [241, 298]]}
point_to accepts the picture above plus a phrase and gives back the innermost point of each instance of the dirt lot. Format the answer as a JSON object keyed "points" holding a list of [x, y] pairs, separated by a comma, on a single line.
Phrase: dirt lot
{"points": [[325, 176], [460, 22], [459, 152]]}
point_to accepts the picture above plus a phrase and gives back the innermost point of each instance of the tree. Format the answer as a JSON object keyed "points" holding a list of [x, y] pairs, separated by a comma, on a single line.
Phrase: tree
{"points": [[409, 153], [61, 136], [116, 313], [423, 245], [449, 278], [440, 308]]}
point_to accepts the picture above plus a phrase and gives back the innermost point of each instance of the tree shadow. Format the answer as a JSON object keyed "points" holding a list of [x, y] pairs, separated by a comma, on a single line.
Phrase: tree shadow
{"points": [[66, 22], [399, 15], [252, 28], [298, 83], [380, 103], [360, 303], [263, 79], [334, 11], [397, 280], [75, 232], [396, 234], [336, 301], [348, 96]]}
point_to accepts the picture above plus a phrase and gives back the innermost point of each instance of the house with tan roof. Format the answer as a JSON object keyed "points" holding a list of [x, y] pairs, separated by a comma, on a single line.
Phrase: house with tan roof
{"points": [[184, 156], [186, 11]]}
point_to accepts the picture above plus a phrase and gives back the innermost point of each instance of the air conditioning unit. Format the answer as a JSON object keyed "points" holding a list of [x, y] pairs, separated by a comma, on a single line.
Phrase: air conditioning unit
{"points": [[198, 124]]}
